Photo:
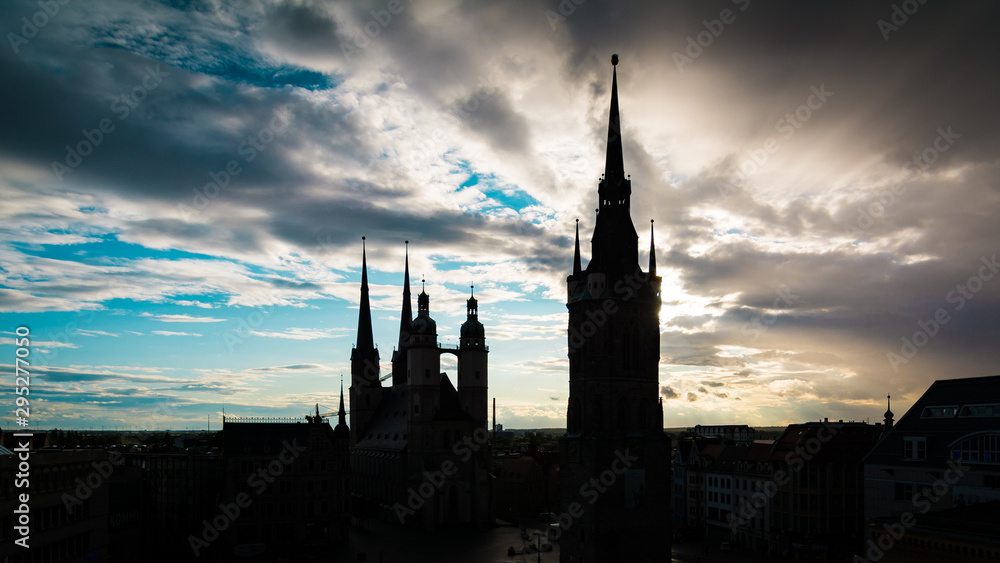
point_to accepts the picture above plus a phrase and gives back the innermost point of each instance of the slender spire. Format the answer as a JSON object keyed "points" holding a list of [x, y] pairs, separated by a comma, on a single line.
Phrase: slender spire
{"points": [[365, 340], [652, 250], [406, 317], [341, 413], [577, 269], [614, 167], [614, 247]]}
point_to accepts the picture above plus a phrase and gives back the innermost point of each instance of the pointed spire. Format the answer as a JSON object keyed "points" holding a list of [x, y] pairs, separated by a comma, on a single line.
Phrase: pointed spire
{"points": [[406, 316], [365, 340], [652, 250], [888, 414], [577, 269], [614, 167], [341, 413], [423, 301], [472, 305]]}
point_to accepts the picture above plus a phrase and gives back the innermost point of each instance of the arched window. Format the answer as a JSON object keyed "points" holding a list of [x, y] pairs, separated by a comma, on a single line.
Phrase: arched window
{"points": [[983, 447]]}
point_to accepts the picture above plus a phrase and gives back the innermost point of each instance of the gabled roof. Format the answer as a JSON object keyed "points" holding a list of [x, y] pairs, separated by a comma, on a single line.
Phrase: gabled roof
{"points": [[760, 450], [843, 442], [388, 430], [940, 415], [451, 406], [728, 459]]}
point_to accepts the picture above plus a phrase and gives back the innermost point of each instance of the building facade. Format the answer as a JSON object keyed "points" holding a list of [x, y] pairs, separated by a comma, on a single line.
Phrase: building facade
{"points": [[942, 457], [419, 448], [615, 418]]}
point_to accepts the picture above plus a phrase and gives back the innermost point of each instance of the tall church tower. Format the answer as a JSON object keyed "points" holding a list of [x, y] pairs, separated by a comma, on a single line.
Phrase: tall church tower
{"points": [[472, 365], [615, 459], [366, 387], [424, 381]]}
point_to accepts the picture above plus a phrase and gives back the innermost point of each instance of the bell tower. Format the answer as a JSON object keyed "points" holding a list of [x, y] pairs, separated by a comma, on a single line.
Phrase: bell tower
{"points": [[614, 419], [472, 364]]}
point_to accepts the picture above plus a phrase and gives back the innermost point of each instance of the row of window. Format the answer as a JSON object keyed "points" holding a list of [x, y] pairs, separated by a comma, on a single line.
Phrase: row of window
{"points": [[983, 448], [965, 411], [724, 498]]}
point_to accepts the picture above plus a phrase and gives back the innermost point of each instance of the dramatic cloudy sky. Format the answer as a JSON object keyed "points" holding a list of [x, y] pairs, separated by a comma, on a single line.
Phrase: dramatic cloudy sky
{"points": [[824, 188]]}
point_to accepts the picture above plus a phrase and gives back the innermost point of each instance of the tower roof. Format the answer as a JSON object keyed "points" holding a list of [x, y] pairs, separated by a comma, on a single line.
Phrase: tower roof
{"points": [[614, 247], [577, 269], [424, 324], [406, 316], [614, 167], [341, 413], [652, 250], [365, 340], [472, 328]]}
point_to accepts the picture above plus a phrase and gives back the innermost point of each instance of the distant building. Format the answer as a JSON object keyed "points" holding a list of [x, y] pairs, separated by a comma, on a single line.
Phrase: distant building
{"points": [[942, 455], [615, 418], [423, 424], [740, 433]]}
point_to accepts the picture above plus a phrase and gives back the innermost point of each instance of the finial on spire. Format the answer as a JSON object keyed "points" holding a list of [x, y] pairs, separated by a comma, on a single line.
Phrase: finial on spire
{"points": [[614, 59], [473, 290]]}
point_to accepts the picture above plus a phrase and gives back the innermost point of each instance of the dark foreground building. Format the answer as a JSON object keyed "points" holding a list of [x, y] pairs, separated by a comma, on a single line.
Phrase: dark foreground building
{"points": [[615, 458], [932, 484]]}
